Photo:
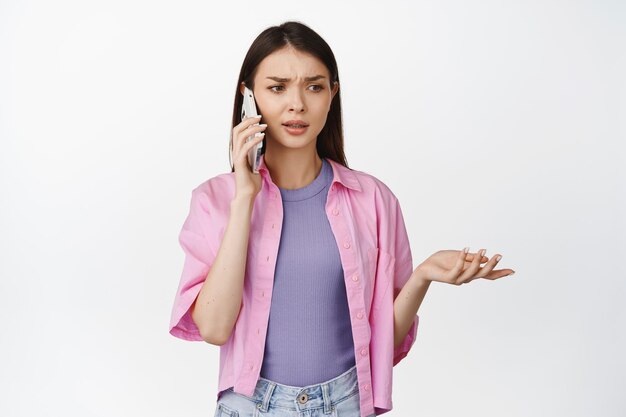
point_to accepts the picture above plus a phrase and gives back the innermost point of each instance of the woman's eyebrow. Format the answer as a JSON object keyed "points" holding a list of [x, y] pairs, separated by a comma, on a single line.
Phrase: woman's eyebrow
{"points": [[286, 80]]}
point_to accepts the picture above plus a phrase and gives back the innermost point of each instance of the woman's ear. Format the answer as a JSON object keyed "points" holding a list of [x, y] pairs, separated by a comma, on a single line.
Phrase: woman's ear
{"points": [[241, 87], [335, 89]]}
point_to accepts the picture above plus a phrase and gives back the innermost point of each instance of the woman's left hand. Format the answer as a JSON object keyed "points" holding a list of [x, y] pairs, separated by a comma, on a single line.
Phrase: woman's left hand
{"points": [[460, 267]]}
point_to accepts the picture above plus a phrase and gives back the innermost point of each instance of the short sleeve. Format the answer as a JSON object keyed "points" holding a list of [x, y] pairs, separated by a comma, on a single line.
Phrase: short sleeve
{"points": [[199, 257], [403, 268]]}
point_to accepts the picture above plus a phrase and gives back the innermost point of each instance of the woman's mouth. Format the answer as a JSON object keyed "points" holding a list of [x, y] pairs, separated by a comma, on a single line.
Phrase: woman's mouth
{"points": [[295, 129]]}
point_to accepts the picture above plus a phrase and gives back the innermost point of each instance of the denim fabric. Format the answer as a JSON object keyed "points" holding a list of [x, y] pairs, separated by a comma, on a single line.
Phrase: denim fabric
{"points": [[337, 397]]}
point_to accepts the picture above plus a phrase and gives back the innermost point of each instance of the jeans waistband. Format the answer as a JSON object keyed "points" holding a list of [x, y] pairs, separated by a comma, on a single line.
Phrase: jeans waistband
{"points": [[269, 393]]}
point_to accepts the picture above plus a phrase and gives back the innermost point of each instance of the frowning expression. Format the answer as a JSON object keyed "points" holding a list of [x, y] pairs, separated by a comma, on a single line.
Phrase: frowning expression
{"points": [[293, 87]]}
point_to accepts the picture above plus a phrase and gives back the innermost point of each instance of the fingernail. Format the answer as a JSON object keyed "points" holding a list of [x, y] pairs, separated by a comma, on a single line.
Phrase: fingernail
{"points": [[512, 273], [466, 249], [498, 258]]}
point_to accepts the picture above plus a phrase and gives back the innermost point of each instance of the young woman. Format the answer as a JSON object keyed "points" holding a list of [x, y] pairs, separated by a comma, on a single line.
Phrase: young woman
{"points": [[302, 273]]}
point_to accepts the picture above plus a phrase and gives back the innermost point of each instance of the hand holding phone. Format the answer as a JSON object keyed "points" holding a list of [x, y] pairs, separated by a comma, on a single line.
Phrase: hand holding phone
{"points": [[248, 109], [247, 182]]}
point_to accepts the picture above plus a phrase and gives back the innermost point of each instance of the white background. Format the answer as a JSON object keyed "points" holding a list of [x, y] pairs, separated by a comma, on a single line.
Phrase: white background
{"points": [[498, 124]]}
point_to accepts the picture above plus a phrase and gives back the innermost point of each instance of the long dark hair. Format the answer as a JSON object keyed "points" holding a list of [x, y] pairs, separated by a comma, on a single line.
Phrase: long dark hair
{"points": [[304, 39]]}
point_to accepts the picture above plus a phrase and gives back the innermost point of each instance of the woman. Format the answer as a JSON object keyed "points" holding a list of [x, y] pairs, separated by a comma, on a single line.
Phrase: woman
{"points": [[290, 270]]}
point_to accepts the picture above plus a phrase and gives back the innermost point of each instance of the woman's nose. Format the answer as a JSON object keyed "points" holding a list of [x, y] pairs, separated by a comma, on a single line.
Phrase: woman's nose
{"points": [[296, 101]]}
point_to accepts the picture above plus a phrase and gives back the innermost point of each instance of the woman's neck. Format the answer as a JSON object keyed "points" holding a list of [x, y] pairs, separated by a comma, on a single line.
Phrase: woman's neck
{"points": [[291, 170]]}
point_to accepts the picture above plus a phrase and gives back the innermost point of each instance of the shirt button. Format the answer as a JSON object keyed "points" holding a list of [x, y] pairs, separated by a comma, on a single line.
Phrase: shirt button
{"points": [[263, 293], [366, 387], [251, 366], [363, 352], [346, 245], [272, 225], [335, 212], [355, 277], [360, 315]]}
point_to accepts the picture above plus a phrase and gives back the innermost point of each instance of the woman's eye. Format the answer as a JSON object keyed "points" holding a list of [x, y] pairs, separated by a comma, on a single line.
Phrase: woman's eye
{"points": [[318, 88]]}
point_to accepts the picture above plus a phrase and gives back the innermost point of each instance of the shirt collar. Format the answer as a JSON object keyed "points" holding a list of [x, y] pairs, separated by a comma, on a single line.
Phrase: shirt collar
{"points": [[341, 174]]}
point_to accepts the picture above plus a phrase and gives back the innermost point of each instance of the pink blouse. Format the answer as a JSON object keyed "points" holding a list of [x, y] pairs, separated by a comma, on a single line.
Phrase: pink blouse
{"points": [[368, 225]]}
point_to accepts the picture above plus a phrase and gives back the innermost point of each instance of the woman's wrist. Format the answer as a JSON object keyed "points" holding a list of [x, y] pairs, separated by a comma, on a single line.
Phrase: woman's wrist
{"points": [[245, 200], [419, 277]]}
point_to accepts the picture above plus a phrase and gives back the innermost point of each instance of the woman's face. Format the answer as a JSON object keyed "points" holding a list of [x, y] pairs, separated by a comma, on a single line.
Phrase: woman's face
{"points": [[283, 94]]}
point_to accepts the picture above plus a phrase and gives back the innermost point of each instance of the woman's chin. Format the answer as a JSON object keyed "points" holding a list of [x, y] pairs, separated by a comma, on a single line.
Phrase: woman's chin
{"points": [[289, 141]]}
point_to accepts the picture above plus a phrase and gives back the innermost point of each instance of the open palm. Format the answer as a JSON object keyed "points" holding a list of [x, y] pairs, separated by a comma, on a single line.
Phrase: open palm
{"points": [[460, 267]]}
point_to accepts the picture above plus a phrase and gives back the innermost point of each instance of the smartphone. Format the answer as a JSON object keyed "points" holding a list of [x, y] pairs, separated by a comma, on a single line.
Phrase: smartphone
{"points": [[248, 109]]}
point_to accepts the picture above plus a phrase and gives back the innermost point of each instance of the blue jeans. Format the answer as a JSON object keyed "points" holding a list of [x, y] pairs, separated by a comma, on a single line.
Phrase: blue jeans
{"points": [[337, 397]]}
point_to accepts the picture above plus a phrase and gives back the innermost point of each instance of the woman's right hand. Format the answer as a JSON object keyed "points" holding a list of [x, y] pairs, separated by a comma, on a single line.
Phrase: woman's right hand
{"points": [[248, 182]]}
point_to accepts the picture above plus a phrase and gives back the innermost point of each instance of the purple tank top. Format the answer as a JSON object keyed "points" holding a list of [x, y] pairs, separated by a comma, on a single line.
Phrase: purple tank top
{"points": [[309, 336]]}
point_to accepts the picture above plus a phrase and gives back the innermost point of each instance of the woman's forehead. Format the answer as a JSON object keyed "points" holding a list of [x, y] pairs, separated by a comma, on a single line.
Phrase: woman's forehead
{"points": [[291, 64]]}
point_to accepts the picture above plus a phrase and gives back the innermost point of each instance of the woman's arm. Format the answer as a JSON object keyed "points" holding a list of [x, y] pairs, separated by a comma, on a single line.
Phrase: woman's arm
{"points": [[217, 306], [406, 304], [449, 266]]}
